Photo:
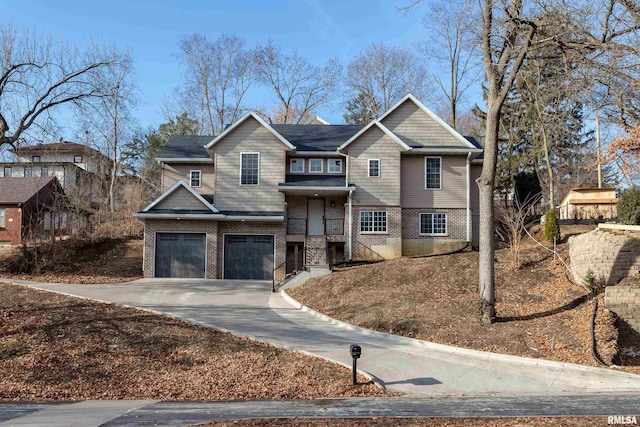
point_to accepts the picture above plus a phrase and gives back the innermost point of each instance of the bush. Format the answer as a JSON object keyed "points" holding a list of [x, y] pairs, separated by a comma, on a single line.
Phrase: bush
{"points": [[551, 227], [629, 207]]}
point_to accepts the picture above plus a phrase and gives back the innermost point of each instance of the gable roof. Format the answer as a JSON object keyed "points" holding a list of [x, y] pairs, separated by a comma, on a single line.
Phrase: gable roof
{"points": [[19, 190], [175, 187], [317, 137], [380, 126], [432, 115], [242, 120], [185, 147]]}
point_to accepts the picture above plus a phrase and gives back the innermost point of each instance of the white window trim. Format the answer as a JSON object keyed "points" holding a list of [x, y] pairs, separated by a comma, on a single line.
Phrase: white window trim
{"points": [[33, 159], [386, 224], [446, 224], [24, 172], [4, 171], [76, 156], [240, 178], [321, 166], [369, 168], [3, 220], [291, 165], [425, 172], [199, 178], [329, 164]]}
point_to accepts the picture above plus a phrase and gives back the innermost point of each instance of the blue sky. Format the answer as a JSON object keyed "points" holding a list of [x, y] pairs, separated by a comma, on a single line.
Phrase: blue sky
{"points": [[317, 29]]}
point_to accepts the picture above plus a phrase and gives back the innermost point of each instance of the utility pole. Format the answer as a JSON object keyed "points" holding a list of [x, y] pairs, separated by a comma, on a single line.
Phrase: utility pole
{"points": [[599, 163]]}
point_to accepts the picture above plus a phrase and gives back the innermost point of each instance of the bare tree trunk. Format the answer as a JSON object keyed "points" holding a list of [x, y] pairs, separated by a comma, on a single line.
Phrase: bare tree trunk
{"points": [[549, 169]]}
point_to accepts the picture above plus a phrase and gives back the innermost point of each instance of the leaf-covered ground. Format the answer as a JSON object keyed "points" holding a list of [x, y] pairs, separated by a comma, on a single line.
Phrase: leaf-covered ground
{"points": [[63, 348], [423, 422]]}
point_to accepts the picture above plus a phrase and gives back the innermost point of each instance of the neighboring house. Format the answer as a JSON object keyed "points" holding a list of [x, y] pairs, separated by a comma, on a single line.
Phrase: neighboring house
{"points": [[238, 206], [77, 167], [26, 204], [589, 203]]}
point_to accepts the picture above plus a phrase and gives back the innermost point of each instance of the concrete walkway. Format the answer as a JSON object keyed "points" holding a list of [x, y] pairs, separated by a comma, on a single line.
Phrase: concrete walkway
{"points": [[415, 367]]}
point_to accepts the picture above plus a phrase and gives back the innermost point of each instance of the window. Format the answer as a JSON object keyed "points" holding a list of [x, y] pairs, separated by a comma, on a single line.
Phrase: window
{"points": [[433, 224], [35, 159], [77, 159], [432, 173], [315, 165], [334, 166], [249, 168], [373, 221], [2, 217], [44, 171], [296, 165], [374, 168], [194, 178], [28, 172], [7, 171]]}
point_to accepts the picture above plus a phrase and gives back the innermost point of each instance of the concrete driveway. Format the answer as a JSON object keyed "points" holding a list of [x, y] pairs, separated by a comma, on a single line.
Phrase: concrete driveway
{"points": [[249, 309]]}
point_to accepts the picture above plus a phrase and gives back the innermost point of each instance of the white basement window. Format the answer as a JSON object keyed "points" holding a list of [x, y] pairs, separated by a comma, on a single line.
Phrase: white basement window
{"points": [[433, 224], [373, 221]]}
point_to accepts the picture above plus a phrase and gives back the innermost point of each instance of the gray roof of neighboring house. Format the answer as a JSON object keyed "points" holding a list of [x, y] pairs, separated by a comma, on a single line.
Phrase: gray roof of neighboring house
{"points": [[317, 137], [315, 181], [19, 190], [185, 146], [58, 147], [476, 144]]}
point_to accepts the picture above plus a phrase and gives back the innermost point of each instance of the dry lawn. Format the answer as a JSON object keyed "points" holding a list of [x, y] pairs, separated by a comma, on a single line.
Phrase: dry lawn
{"points": [[539, 314], [54, 347], [423, 422]]}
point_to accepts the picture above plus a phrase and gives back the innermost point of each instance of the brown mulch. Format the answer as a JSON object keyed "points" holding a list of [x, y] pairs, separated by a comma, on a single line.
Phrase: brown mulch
{"points": [[422, 422], [54, 347], [83, 261], [539, 313]]}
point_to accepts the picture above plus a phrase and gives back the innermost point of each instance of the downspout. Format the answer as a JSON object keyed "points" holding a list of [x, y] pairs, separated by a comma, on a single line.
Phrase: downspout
{"points": [[469, 197], [350, 241]]}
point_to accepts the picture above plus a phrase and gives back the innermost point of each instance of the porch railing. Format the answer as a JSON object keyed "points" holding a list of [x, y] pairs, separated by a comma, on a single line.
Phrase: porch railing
{"points": [[298, 226], [312, 257], [334, 226]]}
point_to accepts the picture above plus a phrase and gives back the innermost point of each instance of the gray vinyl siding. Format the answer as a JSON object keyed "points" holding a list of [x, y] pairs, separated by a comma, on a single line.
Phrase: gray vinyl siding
{"points": [[375, 191], [172, 173], [415, 127], [181, 198], [252, 137], [454, 190]]}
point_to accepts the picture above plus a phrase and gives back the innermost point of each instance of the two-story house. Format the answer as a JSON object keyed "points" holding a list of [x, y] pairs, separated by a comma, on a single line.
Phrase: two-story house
{"points": [[239, 205], [76, 166]]}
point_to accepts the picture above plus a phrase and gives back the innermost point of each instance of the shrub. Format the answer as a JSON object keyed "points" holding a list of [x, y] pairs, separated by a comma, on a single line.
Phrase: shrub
{"points": [[629, 207], [551, 227]]}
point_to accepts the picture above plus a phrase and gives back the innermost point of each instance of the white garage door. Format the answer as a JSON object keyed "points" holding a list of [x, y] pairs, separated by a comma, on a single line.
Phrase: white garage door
{"points": [[248, 257], [180, 255]]}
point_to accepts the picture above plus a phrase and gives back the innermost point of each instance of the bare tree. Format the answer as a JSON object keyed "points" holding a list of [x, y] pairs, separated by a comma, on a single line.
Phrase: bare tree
{"points": [[107, 121], [37, 76], [513, 220], [300, 88], [218, 75], [384, 74], [453, 45]]}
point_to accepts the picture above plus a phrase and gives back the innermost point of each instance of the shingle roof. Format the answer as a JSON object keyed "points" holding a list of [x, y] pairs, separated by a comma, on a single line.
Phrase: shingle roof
{"points": [[20, 190], [317, 137], [476, 144], [315, 181], [185, 146], [60, 147]]}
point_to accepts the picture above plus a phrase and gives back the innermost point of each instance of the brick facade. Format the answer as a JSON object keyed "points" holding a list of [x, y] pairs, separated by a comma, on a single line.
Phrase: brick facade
{"points": [[244, 227], [11, 232], [414, 244], [153, 226], [377, 246]]}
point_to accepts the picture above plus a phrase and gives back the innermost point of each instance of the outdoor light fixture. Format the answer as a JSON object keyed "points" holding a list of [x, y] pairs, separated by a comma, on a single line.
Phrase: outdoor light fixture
{"points": [[315, 194], [333, 204], [356, 352]]}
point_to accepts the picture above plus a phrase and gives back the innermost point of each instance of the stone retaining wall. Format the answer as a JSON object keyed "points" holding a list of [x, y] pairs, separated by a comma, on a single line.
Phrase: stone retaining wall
{"points": [[625, 302]]}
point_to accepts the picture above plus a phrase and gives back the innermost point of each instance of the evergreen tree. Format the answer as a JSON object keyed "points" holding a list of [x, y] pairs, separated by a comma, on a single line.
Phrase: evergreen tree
{"points": [[359, 111]]}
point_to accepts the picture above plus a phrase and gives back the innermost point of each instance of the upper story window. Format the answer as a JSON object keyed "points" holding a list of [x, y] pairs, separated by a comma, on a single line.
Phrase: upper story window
{"points": [[2, 217], [7, 171], [249, 168], [433, 224], [373, 221], [28, 172], [35, 159], [315, 165], [433, 173], [296, 165], [195, 178], [374, 168], [334, 165], [44, 171], [77, 159]]}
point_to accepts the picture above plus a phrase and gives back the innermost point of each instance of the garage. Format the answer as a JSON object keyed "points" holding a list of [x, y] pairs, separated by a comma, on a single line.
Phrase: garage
{"points": [[248, 257], [180, 255]]}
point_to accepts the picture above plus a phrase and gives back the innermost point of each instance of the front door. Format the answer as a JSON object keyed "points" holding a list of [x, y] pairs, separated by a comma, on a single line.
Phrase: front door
{"points": [[315, 213]]}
